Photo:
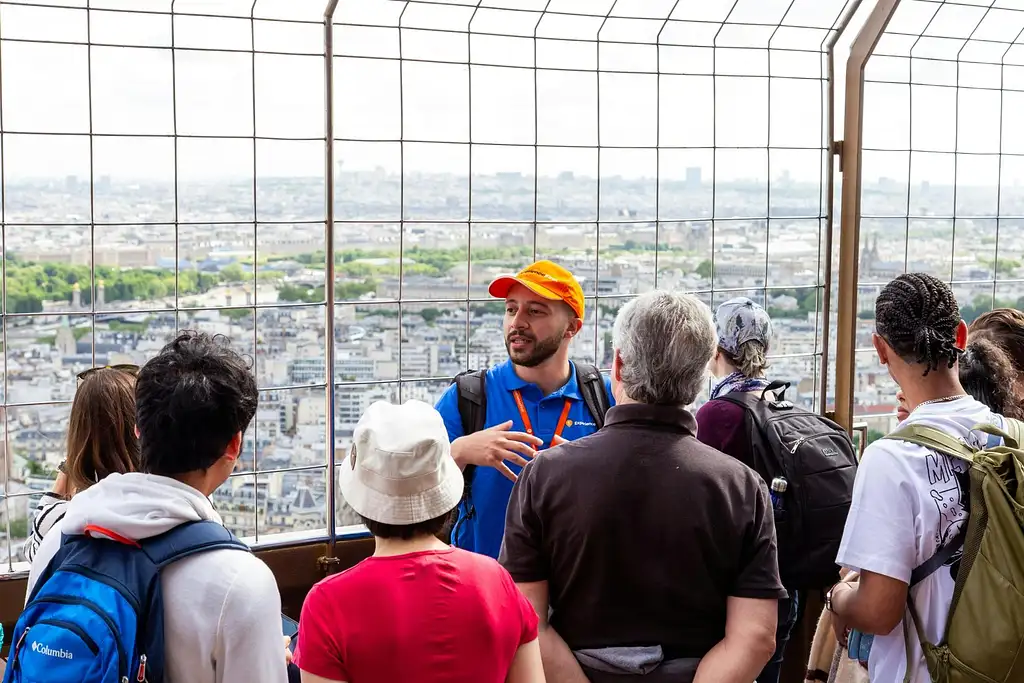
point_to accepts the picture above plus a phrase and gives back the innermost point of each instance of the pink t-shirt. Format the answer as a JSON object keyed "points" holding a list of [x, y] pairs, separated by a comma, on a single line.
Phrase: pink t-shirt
{"points": [[446, 615]]}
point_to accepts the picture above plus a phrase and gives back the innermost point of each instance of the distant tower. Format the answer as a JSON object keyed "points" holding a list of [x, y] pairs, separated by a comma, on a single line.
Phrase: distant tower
{"points": [[101, 295], [64, 340], [248, 296], [869, 256], [76, 297], [693, 176], [227, 298]]}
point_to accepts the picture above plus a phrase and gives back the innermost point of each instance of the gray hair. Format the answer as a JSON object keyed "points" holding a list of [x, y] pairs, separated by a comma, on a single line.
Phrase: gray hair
{"points": [[665, 342]]}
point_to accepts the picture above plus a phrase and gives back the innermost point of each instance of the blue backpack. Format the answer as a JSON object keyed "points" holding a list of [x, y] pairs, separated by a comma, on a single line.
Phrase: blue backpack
{"points": [[96, 613]]}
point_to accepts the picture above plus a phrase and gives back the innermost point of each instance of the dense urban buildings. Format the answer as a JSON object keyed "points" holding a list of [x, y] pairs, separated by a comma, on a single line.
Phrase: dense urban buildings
{"points": [[403, 326]]}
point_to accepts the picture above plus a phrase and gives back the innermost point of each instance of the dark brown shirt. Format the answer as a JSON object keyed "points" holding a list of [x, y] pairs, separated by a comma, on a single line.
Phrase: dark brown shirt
{"points": [[642, 533]]}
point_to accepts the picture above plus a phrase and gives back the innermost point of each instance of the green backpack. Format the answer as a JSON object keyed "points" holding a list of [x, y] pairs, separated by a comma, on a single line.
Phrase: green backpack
{"points": [[984, 637]]}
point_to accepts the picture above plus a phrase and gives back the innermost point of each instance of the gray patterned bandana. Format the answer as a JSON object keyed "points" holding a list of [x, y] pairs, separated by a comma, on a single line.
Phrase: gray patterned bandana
{"points": [[741, 320]]}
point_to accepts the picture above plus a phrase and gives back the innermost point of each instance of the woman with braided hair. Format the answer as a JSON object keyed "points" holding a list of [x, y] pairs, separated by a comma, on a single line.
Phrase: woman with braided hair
{"points": [[909, 503]]}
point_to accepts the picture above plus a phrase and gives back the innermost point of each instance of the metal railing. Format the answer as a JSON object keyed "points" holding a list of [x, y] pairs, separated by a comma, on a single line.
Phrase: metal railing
{"points": [[931, 167]]}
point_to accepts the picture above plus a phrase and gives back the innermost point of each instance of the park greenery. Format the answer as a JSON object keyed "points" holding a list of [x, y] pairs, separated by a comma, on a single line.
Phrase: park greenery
{"points": [[359, 272], [30, 284]]}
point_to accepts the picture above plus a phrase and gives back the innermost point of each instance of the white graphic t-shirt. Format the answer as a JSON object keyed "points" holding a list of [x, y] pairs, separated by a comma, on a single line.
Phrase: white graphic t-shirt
{"points": [[907, 503]]}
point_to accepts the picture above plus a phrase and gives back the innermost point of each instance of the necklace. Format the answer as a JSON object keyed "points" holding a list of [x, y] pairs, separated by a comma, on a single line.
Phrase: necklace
{"points": [[941, 400]]}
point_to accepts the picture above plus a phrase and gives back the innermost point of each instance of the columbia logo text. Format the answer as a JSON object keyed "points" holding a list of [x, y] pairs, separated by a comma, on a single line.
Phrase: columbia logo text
{"points": [[44, 649]]}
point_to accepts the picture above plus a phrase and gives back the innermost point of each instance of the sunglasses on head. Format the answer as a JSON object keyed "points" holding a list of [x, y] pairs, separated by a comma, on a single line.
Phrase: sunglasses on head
{"points": [[127, 368]]}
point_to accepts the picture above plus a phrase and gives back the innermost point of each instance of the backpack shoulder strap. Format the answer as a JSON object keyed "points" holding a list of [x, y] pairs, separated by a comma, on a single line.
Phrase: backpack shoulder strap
{"points": [[944, 555], [744, 400], [933, 439], [594, 391], [1015, 430], [190, 538], [750, 400], [53, 565], [472, 400]]}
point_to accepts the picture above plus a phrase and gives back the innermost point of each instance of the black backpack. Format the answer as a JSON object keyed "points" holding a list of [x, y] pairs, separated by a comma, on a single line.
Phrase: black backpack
{"points": [[473, 402], [816, 457]]}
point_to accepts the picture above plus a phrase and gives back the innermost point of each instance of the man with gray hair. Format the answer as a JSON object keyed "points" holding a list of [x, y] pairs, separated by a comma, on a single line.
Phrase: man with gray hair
{"points": [[645, 552]]}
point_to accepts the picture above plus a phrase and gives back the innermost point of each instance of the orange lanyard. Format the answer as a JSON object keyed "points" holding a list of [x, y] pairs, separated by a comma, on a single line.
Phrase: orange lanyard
{"points": [[526, 418]]}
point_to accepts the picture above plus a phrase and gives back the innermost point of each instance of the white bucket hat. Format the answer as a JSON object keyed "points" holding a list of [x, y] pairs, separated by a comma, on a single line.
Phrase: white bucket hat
{"points": [[400, 469]]}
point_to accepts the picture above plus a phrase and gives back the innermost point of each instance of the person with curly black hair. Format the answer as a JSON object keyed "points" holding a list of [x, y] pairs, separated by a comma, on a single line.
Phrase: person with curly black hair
{"points": [[987, 373], [1005, 327], [910, 502]]}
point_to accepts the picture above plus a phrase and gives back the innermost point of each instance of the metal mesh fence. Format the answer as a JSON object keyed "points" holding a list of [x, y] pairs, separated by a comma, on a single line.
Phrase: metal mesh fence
{"points": [[164, 167], [943, 164]]}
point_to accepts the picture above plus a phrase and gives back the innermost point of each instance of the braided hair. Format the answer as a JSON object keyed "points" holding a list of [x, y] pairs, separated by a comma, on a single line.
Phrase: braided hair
{"points": [[918, 316], [988, 374]]}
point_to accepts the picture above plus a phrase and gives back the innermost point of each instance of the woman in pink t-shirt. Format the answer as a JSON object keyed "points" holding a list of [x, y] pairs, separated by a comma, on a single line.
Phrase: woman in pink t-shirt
{"points": [[418, 609]]}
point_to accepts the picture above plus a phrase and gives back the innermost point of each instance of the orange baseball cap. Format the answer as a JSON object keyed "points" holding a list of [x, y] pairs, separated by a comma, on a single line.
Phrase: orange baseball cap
{"points": [[546, 279]]}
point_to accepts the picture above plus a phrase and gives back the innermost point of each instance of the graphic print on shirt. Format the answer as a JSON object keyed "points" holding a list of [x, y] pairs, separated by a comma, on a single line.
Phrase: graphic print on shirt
{"points": [[949, 483]]}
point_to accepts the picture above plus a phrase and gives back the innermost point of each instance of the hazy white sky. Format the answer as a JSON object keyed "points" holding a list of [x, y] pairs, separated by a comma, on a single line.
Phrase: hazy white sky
{"points": [[715, 92]]}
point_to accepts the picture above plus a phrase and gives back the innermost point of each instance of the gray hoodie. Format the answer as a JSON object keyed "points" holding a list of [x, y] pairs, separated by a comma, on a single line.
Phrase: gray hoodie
{"points": [[222, 609]]}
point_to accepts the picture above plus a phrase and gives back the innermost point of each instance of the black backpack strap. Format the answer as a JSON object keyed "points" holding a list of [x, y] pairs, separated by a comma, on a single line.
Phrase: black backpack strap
{"points": [[188, 539], [472, 399], [595, 393], [944, 555], [744, 400]]}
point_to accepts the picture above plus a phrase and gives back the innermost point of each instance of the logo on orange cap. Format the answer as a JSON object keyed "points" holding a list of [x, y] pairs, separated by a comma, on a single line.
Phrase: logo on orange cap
{"points": [[545, 279]]}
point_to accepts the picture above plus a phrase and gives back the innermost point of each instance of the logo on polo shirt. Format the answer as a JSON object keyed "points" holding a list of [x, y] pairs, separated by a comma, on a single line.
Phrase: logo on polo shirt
{"points": [[570, 423]]}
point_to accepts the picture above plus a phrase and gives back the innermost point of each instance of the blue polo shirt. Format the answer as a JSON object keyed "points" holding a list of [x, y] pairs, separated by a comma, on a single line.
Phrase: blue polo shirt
{"points": [[482, 531]]}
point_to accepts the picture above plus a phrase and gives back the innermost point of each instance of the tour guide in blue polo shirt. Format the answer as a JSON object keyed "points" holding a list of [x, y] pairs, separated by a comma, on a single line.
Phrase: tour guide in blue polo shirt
{"points": [[533, 400]]}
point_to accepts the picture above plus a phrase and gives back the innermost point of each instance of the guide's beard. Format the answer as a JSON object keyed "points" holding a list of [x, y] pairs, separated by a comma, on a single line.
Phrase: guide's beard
{"points": [[533, 351]]}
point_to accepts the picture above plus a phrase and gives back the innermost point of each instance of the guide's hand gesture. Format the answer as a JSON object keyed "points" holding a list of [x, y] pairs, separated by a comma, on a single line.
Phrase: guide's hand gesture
{"points": [[494, 446]]}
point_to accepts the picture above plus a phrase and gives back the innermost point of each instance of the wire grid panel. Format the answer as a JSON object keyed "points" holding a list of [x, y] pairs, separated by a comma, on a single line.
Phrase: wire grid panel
{"points": [[641, 144], [943, 166], [162, 169]]}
